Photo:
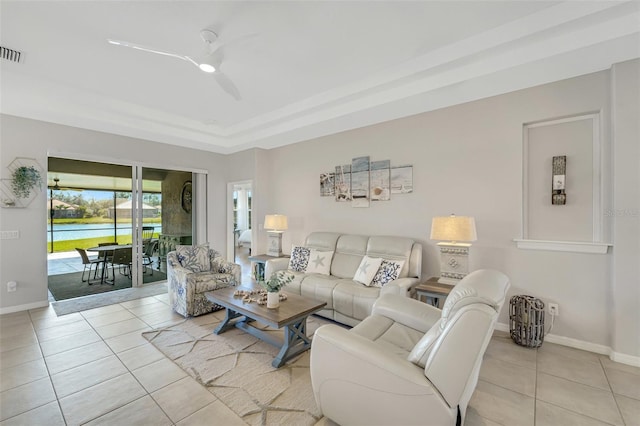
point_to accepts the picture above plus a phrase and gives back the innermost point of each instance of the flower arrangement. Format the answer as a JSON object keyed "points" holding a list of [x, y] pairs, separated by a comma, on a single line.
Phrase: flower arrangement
{"points": [[24, 179], [278, 280]]}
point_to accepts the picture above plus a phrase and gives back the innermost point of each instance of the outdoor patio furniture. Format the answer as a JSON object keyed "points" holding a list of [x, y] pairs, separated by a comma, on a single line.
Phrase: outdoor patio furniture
{"points": [[147, 233], [150, 248], [122, 257], [86, 261]]}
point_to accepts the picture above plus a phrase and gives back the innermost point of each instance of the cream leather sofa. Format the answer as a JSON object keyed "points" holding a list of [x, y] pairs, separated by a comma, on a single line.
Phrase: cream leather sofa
{"points": [[348, 301], [409, 363]]}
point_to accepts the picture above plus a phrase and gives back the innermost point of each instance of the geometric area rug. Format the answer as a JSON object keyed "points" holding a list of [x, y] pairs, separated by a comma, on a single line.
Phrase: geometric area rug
{"points": [[236, 367]]}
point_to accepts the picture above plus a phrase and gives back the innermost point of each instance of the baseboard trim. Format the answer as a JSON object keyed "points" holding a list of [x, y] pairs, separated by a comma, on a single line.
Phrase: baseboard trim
{"points": [[585, 346], [26, 307]]}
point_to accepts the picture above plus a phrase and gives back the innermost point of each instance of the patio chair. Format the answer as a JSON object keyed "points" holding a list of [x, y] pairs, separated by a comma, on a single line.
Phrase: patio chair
{"points": [[150, 248], [86, 261], [123, 258], [147, 233], [106, 256]]}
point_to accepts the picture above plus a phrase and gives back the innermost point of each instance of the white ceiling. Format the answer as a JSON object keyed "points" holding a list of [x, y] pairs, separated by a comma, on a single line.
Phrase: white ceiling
{"points": [[311, 68]]}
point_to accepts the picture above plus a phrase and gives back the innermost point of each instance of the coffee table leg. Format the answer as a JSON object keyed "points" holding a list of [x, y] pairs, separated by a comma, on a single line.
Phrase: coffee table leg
{"points": [[295, 342], [226, 323]]}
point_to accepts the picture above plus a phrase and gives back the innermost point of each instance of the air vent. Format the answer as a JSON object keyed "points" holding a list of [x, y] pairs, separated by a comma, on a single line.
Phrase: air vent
{"points": [[10, 54]]}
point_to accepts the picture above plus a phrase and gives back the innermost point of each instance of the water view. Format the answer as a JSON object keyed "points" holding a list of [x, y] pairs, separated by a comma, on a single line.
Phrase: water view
{"points": [[77, 231]]}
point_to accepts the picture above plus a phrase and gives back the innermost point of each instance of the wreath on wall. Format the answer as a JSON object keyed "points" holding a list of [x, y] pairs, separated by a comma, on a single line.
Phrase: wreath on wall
{"points": [[186, 196]]}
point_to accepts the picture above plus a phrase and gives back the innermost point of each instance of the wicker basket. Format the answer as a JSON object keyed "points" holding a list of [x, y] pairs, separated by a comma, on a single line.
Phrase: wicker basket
{"points": [[526, 321]]}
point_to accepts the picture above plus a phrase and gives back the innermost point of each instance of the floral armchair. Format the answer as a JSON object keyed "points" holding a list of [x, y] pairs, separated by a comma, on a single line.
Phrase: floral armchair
{"points": [[194, 270]]}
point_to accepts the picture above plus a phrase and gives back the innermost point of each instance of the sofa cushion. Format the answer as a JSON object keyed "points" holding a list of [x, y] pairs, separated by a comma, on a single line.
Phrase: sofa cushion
{"points": [[319, 262], [391, 248], [299, 259], [320, 288], [194, 258], [350, 249], [367, 270], [354, 300], [388, 271]]}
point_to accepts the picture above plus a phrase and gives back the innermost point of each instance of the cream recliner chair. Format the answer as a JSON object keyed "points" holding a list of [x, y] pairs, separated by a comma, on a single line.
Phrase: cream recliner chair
{"points": [[408, 363]]}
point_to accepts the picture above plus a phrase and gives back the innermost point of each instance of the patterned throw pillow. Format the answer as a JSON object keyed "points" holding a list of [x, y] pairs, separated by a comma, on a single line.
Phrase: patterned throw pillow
{"points": [[367, 270], [299, 259], [389, 270], [319, 262], [219, 264], [194, 258]]}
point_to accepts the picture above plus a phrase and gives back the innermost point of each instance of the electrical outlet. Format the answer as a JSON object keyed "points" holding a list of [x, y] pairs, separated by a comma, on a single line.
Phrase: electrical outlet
{"points": [[12, 286], [554, 309]]}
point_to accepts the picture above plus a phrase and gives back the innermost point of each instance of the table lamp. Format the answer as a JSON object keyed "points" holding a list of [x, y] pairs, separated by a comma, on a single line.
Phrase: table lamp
{"points": [[275, 224], [454, 254]]}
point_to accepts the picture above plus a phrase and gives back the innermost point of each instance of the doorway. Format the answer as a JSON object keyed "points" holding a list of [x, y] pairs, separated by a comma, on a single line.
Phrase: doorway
{"points": [[124, 218], [239, 224]]}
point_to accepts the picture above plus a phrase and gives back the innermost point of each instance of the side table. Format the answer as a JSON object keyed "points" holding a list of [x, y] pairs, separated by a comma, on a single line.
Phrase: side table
{"points": [[260, 261], [432, 290]]}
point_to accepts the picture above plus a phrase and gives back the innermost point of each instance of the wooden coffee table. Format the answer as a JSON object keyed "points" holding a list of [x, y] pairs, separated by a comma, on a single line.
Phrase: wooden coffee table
{"points": [[291, 316]]}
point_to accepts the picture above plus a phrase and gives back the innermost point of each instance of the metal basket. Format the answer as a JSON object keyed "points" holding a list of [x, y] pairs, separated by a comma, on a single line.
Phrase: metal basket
{"points": [[526, 320]]}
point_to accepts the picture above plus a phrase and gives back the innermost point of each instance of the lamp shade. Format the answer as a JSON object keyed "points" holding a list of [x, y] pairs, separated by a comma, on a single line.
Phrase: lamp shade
{"points": [[453, 228], [275, 222]]}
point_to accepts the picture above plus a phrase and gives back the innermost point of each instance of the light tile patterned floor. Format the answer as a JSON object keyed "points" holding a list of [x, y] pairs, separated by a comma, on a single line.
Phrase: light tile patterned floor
{"points": [[94, 367]]}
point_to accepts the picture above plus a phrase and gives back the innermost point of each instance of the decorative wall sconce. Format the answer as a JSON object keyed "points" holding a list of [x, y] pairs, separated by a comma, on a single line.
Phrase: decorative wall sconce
{"points": [[558, 197]]}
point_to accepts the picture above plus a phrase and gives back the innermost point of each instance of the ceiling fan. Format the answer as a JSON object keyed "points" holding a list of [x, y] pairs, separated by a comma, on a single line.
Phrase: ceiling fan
{"points": [[208, 62]]}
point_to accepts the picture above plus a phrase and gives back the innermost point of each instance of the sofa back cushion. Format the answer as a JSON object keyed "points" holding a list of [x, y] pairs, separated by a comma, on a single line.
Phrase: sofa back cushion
{"points": [[325, 241], [391, 248], [350, 249]]}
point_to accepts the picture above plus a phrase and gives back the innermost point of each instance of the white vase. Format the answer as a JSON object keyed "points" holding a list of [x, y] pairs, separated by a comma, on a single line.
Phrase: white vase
{"points": [[273, 299]]}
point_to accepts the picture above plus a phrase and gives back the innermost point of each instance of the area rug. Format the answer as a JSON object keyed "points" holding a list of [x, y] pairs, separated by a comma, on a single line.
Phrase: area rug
{"points": [[236, 368], [78, 304], [69, 286]]}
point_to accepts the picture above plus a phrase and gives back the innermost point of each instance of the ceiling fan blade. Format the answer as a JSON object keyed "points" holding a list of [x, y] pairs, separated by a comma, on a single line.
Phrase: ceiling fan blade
{"points": [[150, 50], [227, 85]]}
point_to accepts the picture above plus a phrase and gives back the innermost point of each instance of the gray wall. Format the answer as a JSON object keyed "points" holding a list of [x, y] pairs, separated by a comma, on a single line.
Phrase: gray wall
{"points": [[467, 160], [25, 260]]}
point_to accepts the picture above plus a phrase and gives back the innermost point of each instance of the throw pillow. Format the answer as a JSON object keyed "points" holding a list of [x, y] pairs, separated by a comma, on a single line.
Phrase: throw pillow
{"points": [[299, 259], [367, 270], [194, 258], [389, 270], [319, 262], [221, 265]]}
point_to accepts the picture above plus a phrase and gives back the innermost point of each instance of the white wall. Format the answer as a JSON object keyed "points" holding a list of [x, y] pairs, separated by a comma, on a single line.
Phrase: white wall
{"points": [[25, 260], [467, 160]]}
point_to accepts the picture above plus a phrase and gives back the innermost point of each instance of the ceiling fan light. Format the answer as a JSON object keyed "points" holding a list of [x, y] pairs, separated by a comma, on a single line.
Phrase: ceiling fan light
{"points": [[207, 67]]}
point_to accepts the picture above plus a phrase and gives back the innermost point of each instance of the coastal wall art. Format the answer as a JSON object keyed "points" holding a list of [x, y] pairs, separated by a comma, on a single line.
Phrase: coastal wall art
{"points": [[402, 179], [365, 181], [343, 183], [360, 182]]}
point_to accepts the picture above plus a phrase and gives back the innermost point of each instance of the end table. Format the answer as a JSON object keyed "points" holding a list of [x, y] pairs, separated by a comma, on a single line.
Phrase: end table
{"points": [[432, 290], [260, 261]]}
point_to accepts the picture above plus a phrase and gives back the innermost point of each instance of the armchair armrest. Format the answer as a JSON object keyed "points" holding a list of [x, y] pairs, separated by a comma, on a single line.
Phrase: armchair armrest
{"points": [[275, 265], [219, 264], [410, 312], [355, 381]]}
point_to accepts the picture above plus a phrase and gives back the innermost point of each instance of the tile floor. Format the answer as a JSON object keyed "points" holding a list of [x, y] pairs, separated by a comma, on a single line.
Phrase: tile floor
{"points": [[94, 367]]}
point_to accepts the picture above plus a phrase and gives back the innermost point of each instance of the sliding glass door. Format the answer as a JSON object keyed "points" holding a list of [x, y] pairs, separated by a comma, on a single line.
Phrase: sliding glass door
{"points": [[142, 212]]}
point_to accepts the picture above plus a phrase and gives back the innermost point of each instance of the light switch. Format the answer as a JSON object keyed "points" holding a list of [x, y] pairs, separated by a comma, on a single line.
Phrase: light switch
{"points": [[9, 235]]}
